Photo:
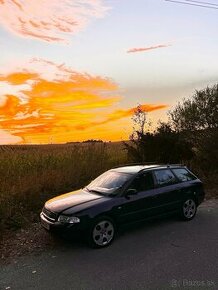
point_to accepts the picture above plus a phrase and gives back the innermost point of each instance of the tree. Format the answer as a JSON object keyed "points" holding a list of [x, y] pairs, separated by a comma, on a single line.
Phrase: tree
{"points": [[197, 113], [190, 135], [134, 150], [197, 119], [139, 121], [162, 146]]}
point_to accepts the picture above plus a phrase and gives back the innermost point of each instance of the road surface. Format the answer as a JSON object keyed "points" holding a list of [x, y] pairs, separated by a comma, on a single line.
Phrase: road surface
{"points": [[162, 254]]}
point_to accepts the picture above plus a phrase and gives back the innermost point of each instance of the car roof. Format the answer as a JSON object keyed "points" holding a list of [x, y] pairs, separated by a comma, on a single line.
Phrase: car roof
{"points": [[132, 169]]}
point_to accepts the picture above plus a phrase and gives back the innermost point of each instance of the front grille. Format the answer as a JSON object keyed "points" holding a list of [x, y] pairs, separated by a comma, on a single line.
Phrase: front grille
{"points": [[49, 214]]}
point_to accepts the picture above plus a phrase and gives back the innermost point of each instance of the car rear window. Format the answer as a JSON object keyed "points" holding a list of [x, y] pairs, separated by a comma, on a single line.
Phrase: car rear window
{"points": [[183, 174], [164, 177]]}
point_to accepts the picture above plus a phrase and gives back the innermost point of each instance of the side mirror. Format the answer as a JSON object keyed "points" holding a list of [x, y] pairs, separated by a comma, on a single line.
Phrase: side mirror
{"points": [[131, 191]]}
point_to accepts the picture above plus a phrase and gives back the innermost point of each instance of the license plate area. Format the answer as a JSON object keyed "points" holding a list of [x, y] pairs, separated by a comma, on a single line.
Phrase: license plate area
{"points": [[45, 224]]}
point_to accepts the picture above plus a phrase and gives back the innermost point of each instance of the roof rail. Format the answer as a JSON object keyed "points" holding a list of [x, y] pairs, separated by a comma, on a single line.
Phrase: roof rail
{"points": [[169, 165], [162, 164], [146, 163], [135, 163]]}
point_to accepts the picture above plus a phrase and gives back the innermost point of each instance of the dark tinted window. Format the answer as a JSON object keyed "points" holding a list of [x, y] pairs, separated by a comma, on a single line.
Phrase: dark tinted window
{"points": [[183, 174], [143, 182], [164, 177]]}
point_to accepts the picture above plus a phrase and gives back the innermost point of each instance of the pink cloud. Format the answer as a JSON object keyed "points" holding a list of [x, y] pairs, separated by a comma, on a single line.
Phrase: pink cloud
{"points": [[49, 20], [148, 48], [8, 138]]}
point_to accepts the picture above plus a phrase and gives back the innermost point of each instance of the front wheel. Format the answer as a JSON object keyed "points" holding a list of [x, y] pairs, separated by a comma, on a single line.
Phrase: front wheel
{"points": [[101, 233], [189, 209]]}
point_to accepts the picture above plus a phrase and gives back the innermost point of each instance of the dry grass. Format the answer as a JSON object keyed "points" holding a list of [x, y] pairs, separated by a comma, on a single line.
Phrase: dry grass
{"points": [[29, 175]]}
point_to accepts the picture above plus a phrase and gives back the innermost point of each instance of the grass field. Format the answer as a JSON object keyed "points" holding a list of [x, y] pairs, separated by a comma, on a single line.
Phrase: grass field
{"points": [[29, 175]]}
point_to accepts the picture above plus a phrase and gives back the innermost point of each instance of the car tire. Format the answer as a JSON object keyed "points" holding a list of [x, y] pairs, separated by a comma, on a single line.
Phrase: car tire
{"points": [[188, 209], [102, 232]]}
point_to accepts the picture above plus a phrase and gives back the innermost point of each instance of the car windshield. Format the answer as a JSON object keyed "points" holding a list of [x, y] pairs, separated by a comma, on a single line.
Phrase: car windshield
{"points": [[109, 182]]}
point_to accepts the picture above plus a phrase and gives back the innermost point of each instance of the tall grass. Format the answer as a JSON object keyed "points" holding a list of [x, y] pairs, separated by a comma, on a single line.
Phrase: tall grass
{"points": [[29, 175]]}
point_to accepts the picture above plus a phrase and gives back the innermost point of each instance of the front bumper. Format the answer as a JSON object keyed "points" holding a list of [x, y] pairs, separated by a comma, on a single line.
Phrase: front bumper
{"points": [[56, 226]]}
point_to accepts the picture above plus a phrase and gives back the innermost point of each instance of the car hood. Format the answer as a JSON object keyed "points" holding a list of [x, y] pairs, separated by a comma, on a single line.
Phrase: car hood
{"points": [[71, 199]]}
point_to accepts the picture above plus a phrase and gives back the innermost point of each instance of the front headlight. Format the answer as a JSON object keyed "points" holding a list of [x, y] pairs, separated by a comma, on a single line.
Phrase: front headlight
{"points": [[68, 219]]}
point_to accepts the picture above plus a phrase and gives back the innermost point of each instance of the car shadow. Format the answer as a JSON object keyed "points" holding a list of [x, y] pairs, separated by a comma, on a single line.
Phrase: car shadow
{"points": [[148, 223]]}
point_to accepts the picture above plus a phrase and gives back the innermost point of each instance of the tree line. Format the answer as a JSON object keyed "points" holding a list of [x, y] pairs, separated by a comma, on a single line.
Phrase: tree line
{"points": [[190, 135]]}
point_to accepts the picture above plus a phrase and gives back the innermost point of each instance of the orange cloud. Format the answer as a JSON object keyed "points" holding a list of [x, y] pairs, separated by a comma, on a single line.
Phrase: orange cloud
{"points": [[120, 114], [46, 20], [64, 104], [18, 78], [147, 48]]}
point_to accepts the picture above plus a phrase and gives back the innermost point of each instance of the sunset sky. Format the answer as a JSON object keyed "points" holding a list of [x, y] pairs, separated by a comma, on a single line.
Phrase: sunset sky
{"points": [[72, 70]]}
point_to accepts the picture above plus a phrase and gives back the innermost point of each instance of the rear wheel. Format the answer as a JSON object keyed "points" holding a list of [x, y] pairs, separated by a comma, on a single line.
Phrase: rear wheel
{"points": [[102, 233], [189, 209]]}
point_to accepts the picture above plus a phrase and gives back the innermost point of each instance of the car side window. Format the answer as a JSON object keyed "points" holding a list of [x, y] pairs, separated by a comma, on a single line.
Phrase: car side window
{"points": [[164, 177], [183, 175], [143, 182]]}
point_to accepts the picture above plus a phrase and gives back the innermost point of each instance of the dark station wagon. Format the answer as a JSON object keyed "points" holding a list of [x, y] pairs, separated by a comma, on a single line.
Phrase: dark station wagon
{"points": [[124, 195]]}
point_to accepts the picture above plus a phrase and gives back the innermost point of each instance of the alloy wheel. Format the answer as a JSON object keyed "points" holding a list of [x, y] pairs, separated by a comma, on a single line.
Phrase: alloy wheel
{"points": [[103, 233], [189, 209]]}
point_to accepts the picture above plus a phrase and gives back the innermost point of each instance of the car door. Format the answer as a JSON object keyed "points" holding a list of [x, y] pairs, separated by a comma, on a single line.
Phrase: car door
{"points": [[167, 197], [138, 206]]}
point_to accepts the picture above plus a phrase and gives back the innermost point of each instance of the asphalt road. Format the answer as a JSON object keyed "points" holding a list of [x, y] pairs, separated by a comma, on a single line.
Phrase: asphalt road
{"points": [[162, 254]]}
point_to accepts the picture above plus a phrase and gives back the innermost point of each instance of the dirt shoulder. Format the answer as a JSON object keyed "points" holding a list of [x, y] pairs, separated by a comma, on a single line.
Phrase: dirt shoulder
{"points": [[31, 240]]}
